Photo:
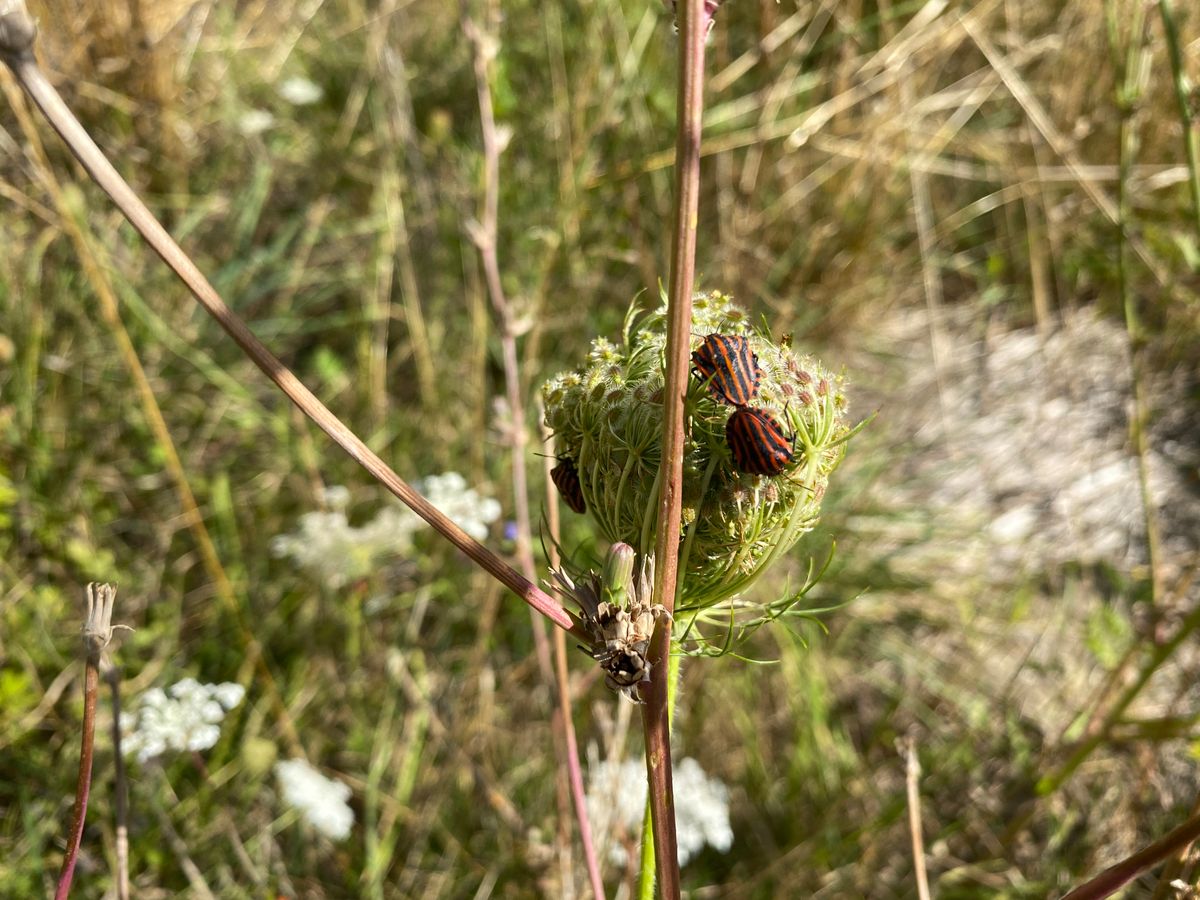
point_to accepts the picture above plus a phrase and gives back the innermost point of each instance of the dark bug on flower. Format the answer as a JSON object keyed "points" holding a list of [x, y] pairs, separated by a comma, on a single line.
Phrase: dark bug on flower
{"points": [[757, 442], [728, 367], [566, 479]]}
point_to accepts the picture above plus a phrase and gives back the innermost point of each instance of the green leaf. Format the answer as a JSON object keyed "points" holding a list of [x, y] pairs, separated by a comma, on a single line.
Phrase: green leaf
{"points": [[1108, 634]]}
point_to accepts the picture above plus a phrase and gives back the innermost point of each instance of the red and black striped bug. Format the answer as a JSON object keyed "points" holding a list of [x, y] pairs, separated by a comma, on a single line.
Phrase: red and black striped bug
{"points": [[757, 442], [728, 367], [566, 478]]}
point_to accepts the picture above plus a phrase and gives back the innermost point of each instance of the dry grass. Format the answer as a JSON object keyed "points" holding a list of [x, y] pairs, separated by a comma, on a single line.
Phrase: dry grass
{"points": [[925, 192]]}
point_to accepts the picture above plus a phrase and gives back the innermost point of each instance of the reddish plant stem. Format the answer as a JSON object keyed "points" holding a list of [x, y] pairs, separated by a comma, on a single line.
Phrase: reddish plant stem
{"points": [[575, 774], [486, 238], [43, 94], [1127, 869], [655, 712], [91, 688]]}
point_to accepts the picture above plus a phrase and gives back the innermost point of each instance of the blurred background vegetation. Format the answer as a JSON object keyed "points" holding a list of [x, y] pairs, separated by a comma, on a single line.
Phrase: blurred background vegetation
{"points": [[980, 210]]}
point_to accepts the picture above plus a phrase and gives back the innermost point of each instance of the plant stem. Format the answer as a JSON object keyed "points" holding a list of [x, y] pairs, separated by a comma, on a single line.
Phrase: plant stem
{"points": [[646, 883], [574, 772], [486, 237], [912, 780], [1160, 654], [113, 676], [1191, 150], [645, 889], [1127, 869], [91, 688], [24, 67], [689, 110], [1130, 65]]}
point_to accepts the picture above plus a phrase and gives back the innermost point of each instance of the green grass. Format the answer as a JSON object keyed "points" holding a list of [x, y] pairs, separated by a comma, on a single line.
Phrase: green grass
{"points": [[339, 234]]}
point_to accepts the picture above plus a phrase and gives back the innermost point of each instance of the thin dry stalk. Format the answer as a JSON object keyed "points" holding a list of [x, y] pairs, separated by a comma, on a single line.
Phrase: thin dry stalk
{"points": [[486, 237], [16, 42], [1158, 656], [912, 781], [416, 694], [578, 794], [1128, 869], [183, 856], [1041, 120], [1177, 866], [656, 711], [930, 273], [69, 220], [90, 689], [228, 825], [120, 787], [1133, 67]]}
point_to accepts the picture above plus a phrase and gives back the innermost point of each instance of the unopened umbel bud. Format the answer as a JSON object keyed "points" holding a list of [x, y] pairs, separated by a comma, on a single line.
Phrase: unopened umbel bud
{"points": [[618, 574], [736, 519]]}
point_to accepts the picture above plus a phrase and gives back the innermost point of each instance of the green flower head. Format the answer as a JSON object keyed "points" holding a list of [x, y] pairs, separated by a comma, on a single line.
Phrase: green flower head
{"points": [[607, 419]]}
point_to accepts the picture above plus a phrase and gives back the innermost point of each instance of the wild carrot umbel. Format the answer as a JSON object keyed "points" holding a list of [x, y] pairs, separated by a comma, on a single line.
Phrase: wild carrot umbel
{"points": [[745, 499]]}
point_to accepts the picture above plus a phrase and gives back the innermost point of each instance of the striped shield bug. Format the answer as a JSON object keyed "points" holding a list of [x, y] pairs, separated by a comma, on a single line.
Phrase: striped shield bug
{"points": [[728, 367], [566, 478], [757, 442]]}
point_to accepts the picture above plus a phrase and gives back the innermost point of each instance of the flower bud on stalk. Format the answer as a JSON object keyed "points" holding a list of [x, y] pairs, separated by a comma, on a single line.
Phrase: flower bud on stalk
{"points": [[618, 616]]}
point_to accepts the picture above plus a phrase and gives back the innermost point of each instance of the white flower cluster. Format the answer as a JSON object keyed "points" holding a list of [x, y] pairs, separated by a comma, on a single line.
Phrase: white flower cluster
{"points": [[300, 91], [321, 800], [255, 121], [472, 511], [338, 552], [186, 716], [617, 801]]}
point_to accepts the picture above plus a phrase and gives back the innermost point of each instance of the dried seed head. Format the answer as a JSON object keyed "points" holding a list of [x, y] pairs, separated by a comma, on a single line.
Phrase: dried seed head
{"points": [[98, 627], [618, 616]]}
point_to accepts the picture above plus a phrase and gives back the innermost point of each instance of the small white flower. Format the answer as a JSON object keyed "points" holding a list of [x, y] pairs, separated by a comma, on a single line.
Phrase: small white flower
{"points": [[338, 552], [254, 121], [617, 801], [321, 800], [300, 91], [229, 694], [335, 496], [701, 811], [184, 717], [466, 506]]}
